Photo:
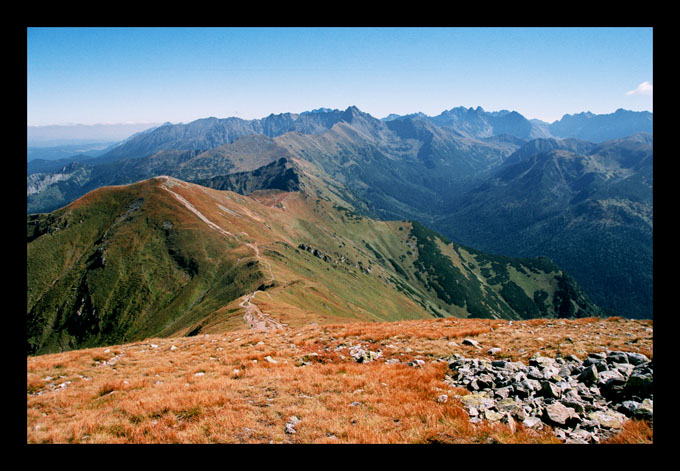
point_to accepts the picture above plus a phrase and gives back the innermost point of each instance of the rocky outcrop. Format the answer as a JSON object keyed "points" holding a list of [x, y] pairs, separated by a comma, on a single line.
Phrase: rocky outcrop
{"points": [[317, 253], [583, 401]]}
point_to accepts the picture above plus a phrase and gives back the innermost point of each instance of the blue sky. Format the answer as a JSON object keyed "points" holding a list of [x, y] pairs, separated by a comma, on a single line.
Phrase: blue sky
{"points": [[122, 75]]}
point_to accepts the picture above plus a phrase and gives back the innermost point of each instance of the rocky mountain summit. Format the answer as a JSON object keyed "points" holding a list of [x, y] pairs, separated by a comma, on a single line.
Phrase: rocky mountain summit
{"points": [[584, 401]]}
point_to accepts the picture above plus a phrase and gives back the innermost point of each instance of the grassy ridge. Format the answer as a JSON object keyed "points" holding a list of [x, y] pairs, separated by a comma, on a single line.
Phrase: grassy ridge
{"points": [[125, 263], [136, 265]]}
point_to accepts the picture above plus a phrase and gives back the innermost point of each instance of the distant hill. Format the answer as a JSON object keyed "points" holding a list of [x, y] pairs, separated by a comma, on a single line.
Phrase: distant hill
{"points": [[72, 151], [82, 134], [587, 206], [603, 127]]}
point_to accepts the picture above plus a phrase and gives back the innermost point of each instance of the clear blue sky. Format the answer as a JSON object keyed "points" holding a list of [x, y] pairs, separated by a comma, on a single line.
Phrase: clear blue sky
{"points": [[118, 75]]}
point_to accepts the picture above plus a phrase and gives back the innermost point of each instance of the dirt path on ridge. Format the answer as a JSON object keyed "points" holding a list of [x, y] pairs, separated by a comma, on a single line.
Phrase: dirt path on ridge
{"points": [[253, 316]]}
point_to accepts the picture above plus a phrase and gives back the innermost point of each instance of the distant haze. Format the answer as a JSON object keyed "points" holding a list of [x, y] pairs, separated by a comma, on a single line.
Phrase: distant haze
{"points": [[55, 135]]}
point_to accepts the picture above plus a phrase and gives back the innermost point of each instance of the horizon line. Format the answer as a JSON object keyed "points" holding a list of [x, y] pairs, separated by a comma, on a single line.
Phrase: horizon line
{"points": [[154, 123]]}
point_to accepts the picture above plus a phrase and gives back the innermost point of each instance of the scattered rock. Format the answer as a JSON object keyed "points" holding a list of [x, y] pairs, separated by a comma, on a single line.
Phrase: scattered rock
{"points": [[583, 401], [478, 401], [608, 419], [588, 375], [492, 416], [291, 424], [635, 358], [533, 422], [558, 414], [364, 356], [509, 421]]}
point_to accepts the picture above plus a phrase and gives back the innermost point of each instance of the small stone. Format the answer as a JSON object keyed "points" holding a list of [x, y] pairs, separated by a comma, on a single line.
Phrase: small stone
{"points": [[531, 384], [626, 369], [580, 436], [492, 416], [550, 390], [479, 401], [558, 413], [494, 350], [520, 414], [646, 410], [635, 358], [577, 406], [575, 441], [541, 362], [617, 357], [533, 422], [474, 343], [200, 373], [639, 384], [270, 359], [508, 405], [574, 358], [589, 375], [608, 419], [608, 376], [509, 421], [443, 398], [485, 381]]}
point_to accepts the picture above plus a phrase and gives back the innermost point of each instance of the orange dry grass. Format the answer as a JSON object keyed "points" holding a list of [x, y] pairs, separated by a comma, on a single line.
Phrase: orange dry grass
{"points": [[414, 329], [223, 388], [633, 432]]}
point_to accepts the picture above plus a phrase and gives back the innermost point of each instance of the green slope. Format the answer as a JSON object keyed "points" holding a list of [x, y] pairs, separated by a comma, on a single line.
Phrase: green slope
{"points": [[125, 264], [164, 257]]}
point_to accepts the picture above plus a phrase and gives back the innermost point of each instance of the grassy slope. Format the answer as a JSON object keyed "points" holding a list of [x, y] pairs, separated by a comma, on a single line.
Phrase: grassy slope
{"points": [[165, 257], [138, 264], [221, 389]]}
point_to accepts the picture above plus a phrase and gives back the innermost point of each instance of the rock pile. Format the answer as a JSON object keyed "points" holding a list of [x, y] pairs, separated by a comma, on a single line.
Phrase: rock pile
{"points": [[364, 356], [316, 252], [583, 401]]}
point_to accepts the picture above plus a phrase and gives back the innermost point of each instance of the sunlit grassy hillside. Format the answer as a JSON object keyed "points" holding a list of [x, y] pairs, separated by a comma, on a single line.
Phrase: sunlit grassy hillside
{"points": [[164, 257], [246, 386]]}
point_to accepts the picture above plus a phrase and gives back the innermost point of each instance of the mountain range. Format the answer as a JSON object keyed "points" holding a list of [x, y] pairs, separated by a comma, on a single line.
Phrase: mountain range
{"points": [[494, 181]]}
